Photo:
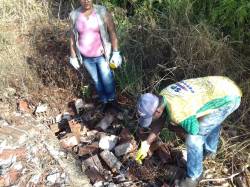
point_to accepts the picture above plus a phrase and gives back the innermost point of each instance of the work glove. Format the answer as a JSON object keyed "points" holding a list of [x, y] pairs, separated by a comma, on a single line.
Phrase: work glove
{"points": [[116, 60], [143, 151], [74, 62]]}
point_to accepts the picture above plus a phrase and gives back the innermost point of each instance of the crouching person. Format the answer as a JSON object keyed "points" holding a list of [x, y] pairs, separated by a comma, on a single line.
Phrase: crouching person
{"points": [[197, 105]]}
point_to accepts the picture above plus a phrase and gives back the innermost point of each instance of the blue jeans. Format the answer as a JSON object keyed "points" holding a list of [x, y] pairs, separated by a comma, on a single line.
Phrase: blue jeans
{"points": [[206, 141], [102, 76]]}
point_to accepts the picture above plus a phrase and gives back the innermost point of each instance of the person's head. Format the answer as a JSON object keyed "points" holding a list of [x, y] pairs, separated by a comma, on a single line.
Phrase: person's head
{"points": [[86, 4], [149, 108]]}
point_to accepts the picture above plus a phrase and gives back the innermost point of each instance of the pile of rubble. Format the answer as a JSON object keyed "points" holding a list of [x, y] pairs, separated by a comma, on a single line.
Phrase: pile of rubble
{"points": [[30, 154], [107, 149]]}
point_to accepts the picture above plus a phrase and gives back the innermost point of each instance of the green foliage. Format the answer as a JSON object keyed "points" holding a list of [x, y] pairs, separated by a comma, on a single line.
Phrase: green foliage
{"points": [[232, 17], [166, 135]]}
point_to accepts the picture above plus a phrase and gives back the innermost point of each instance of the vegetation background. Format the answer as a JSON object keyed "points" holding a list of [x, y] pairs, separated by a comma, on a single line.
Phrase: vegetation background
{"points": [[162, 41]]}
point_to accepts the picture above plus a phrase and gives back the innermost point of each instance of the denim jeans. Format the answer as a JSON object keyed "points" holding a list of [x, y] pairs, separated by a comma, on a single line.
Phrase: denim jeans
{"points": [[102, 76], [206, 141]]}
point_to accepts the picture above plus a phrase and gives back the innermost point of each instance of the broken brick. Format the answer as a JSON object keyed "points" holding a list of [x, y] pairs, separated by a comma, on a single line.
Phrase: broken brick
{"points": [[75, 128], [111, 160], [10, 178], [125, 136], [19, 153], [94, 175], [88, 149], [23, 106], [93, 161], [69, 141]]}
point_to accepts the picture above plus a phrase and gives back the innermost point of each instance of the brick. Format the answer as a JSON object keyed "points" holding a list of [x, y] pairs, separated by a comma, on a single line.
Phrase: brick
{"points": [[69, 141], [19, 153], [11, 177], [125, 136], [111, 160], [94, 175], [75, 128], [93, 161], [23, 106], [88, 149], [13, 136]]}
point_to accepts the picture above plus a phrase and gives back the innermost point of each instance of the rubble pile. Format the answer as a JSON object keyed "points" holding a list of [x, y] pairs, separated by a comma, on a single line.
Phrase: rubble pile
{"points": [[107, 149], [29, 153]]}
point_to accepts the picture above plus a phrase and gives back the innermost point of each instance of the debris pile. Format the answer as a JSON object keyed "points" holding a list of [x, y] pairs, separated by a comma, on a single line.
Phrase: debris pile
{"points": [[107, 149], [29, 153]]}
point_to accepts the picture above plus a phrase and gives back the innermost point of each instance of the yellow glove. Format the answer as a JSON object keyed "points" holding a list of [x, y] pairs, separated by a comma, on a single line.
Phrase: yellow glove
{"points": [[143, 151]]}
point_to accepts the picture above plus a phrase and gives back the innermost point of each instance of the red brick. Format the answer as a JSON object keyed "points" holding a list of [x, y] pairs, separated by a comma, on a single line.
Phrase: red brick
{"points": [[23, 106], [11, 177], [75, 128], [69, 141], [88, 149], [20, 153]]}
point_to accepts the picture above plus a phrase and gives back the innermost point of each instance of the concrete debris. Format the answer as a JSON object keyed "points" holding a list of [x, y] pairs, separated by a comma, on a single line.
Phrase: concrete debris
{"points": [[69, 141], [111, 160], [105, 122], [41, 108], [108, 142], [79, 104], [124, 149], [53, 178]]}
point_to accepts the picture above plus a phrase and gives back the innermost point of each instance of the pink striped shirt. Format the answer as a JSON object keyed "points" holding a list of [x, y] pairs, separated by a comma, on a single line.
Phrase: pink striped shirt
{"points": [[90, 44]]}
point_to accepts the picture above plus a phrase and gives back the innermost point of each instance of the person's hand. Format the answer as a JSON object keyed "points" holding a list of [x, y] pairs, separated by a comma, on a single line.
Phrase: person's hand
{"points": [[143, 151], [74, 62], [116, 60]]}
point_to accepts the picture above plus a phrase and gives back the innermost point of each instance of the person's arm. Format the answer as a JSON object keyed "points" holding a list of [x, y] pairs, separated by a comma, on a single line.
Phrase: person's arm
{"points": [[72, 45], [157, 126], [112, 31]]}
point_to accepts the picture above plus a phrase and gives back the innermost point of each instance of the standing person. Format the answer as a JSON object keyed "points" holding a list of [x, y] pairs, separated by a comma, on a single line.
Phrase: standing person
{"points": [[199, 106], [94, 43]]}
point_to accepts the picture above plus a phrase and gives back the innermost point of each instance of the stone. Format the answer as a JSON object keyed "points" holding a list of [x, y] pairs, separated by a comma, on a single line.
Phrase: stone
{"points": [[41, 108], [105, 122], [108, 142], [79, 105], [53, 178], [111, 160]]}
